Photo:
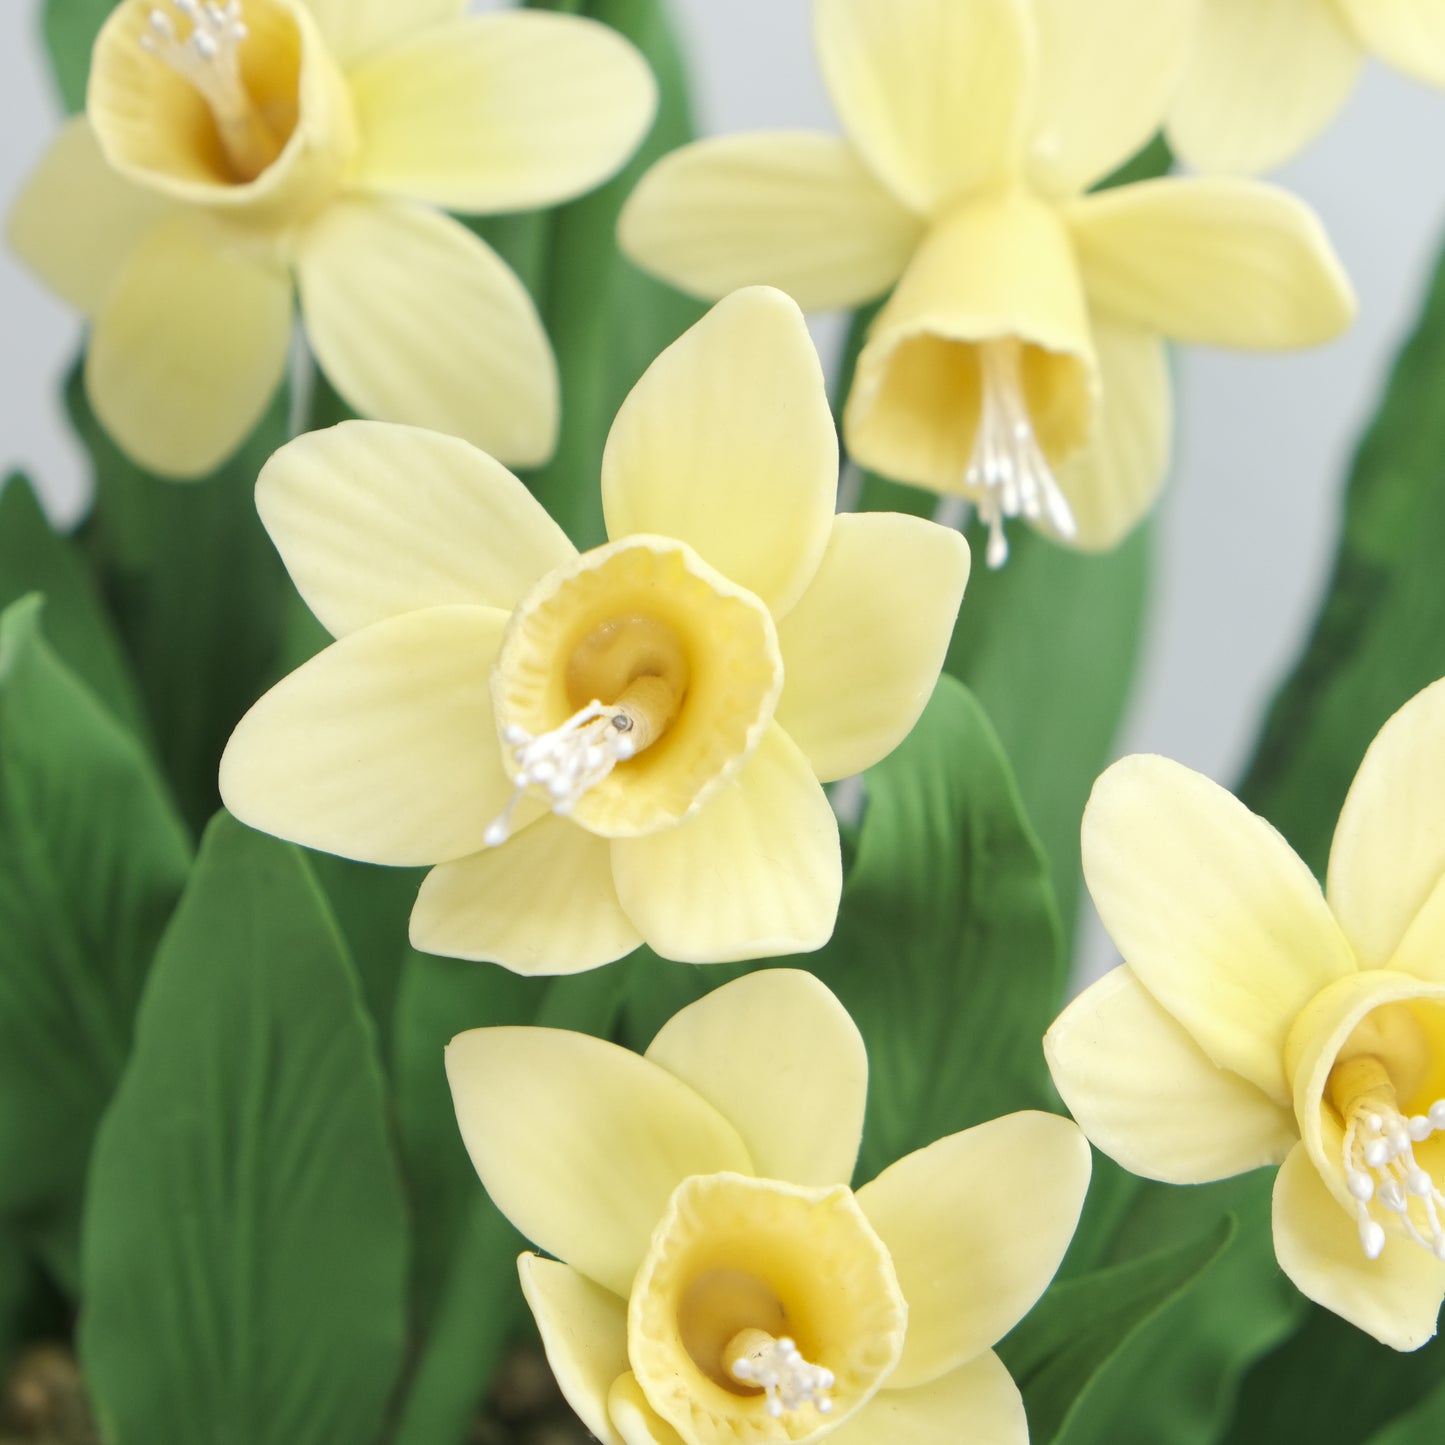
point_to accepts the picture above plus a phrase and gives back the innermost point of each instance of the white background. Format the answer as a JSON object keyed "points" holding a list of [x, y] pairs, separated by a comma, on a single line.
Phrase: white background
{"points": [[1263, 441]]}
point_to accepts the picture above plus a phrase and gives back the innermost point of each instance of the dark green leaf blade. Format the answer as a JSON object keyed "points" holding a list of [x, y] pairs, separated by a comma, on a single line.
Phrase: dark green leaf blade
{"points": [[70, 28], [92, 860], [245, 1236]]}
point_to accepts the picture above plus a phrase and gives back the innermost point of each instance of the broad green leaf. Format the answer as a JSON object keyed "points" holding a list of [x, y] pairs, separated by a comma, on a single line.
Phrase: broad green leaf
{"points": [[946, 951], [35, 558], [70, 28], [92, 860], [1059, 1351], [1380, 634], [468, 1303], [197, 590], [1426, 1422], [245, 1235]]}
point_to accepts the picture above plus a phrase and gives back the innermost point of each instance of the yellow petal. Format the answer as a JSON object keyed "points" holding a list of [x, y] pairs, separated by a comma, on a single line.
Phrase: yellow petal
{"points": [[757, 872], [1388, 852], [584, 1332], [1395, 1298], [979, 1404], [1408, 34], [1213, 911], [1107, 70], [779, 1057], [1422, 950], [189, 346], [1262, 82], [581, 1143], [354, 28], [382, 747], [417, 320], [977, 1224], [727, 443], [1222, 262], [1147, 1095], [543, 902], [636, 1421], [790, 209], [501, 112], [374, 519], [1113, 482], [933, 93], [76, 221], [863, 648]]}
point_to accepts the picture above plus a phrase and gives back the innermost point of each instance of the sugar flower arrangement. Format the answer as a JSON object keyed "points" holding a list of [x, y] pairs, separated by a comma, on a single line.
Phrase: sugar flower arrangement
{"points": [[524, 560]]}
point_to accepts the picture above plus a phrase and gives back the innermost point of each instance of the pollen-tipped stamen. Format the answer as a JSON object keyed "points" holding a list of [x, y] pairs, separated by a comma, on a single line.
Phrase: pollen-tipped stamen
{"points": [[209, 59], [777, 1368], [1007, 472]]}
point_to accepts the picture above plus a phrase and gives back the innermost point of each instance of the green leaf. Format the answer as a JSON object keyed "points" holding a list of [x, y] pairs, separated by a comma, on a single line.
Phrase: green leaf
{"points": [[70, 28], [1380, 634], [92, 860], [1058, 1352], [197, 590], [1423, 1423], [946, 951], [35, 558], [245, 1236]]}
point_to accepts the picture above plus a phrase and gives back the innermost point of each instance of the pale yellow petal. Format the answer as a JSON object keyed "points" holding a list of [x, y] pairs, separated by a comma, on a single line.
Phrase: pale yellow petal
{"points": [[1388, 852], [790, 209], [383, 747], [76, 221], [189, 347], [355, 28], [503, 112], [1107, 70], [1264, 79], [635, 1420], [584, 1332], [1408, 34], [863, 648], [978, 1404], [779, 1057], [1422, 950], [417, 320], [373, 519], [727, 444], [1113, 482], [1395, 1298], [756, 873], [543, 902], [581, 1143], [1222, 262], [934, 94], [976, 1225], [1213, 911], [1147, 1095]]}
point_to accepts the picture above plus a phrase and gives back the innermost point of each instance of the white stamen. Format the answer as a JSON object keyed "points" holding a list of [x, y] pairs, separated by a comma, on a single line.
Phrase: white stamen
{"points": [[787, 1380], [1007, 461], [1380, 1166], [565, 762]]}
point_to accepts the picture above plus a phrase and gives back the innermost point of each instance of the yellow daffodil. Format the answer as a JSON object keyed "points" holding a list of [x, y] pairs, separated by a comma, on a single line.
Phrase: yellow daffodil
{"points": [[715, 1281], [1256, 1020], [229, 147], [620, 746], [1019, 361], [1265, 77]]}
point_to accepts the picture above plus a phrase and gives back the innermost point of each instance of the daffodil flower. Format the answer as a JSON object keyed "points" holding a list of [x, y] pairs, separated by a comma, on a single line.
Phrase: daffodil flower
{"points": [[714, 1279], [617, 746], [1264, 79], [1019, 361], [227, 147], [1256, 1020]]}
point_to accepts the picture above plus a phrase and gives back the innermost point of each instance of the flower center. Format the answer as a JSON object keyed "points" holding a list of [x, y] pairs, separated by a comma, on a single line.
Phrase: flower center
{"points": [[776, 1367], [208, 58], [1007, 471], [1379, 1156]]}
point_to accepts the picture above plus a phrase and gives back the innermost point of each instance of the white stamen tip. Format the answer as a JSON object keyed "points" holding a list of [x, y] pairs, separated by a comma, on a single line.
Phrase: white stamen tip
{"points": [[787, 1379], [1361, 1185], [1436, 1114], [1420, 1128], [1372, 1239]]}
